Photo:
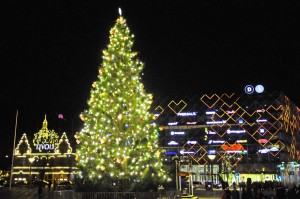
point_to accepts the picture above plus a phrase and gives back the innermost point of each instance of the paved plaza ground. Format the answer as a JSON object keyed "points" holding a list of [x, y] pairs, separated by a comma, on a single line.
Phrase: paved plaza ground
{"points": [[25, 193]]}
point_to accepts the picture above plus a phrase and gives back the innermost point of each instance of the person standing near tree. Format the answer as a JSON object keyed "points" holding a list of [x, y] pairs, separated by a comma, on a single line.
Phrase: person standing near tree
{"points": [[244, 194], [223, 195], [54, 184], [40, 191], [228, 193], [249, 193], [49, 184], [235, 193]]}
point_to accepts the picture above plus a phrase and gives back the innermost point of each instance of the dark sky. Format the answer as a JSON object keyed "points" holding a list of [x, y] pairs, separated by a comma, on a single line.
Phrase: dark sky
{"points": [[51, 49]]}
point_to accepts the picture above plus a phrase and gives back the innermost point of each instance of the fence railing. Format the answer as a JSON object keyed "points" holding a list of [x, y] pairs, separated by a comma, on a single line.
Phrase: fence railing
{"points": [[64, 194], [71, 194]]}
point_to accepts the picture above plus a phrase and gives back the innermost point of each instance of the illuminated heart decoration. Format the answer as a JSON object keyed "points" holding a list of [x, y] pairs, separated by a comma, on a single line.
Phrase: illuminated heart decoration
{"points": [[177, 107], [159, 110], [230, 147], [275, 153], [210, 101], [199, 155], [227, 97], [222, 158], [271, 109], [216, 128], [267, 133], [246, 116], [227, 110]]}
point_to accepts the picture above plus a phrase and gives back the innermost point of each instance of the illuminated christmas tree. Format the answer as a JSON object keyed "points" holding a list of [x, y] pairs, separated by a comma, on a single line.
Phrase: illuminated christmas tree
{"points": [[118, 146]]}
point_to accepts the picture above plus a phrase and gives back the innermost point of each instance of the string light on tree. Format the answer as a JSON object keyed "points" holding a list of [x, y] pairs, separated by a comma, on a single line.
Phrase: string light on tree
{"points": [[118, 146]]}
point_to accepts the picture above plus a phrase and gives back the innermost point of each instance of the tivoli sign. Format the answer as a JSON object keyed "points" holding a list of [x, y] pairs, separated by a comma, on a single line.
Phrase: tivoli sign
{"points": [[45, 139]]}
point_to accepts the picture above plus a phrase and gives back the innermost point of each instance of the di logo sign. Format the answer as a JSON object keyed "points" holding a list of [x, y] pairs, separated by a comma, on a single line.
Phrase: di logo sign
{"points": [[249, 89]]}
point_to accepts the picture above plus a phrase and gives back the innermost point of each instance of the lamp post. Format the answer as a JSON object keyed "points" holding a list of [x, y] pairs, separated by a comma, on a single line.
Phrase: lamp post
{"points": [[211, 157], [31, 160], [191, 190], [176, 159]]}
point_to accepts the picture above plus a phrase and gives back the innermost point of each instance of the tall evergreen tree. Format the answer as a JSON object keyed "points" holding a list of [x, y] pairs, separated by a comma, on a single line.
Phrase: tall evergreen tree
{"points": [[118, 145]]}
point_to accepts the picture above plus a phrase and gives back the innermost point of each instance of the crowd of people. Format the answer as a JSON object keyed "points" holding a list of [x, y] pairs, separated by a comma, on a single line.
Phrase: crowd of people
{"points": [[259, 190]]}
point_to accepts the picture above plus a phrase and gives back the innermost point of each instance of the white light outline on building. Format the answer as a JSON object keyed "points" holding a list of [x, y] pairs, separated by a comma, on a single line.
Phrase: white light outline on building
{"points": [[235, 131], [259, 88], [273, 149], [177, 133], [237, 151], [211, 132], [262, 130], [216, 122], [184, 114], [216, 141], [261, 120], [211, 151], [210, 112], [172, 143], [187, 152], [249, 89], [191, 142]]}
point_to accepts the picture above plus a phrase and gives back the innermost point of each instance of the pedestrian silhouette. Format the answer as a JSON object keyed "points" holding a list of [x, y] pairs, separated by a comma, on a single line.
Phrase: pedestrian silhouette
{"points": [[49, 184], [40, 191]]}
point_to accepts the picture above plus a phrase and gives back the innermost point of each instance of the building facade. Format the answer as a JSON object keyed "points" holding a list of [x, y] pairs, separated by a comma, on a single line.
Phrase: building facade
{"points": [[230, 136], [47, 157]]}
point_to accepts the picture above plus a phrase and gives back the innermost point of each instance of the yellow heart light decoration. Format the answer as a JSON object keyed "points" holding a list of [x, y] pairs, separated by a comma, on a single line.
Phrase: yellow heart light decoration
{"points": [[160, 111], [199, 155], [210, 101], [181, 104]]}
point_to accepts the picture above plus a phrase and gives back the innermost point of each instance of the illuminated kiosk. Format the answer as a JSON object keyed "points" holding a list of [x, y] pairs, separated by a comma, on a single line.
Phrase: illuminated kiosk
{"points": [[232, 137], [50, 158]]}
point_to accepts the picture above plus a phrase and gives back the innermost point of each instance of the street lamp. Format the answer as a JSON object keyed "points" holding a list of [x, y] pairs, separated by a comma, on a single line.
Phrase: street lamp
{"points": [[211, 157], [31, 160], [176, 159]]}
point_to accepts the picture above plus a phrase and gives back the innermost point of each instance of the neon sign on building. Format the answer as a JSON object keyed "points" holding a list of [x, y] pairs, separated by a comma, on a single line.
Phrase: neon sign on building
{"points": [[235, 131], [177, 132], [172, 143], [187, 114], [172, 123], [216, 122]]}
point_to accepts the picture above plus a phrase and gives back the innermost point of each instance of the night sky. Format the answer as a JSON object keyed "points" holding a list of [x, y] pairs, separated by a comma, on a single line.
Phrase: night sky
{"points": [[50, 53]]}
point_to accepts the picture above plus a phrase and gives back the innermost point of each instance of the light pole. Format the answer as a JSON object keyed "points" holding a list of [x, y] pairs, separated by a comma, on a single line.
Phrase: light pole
{"points": [[191, 190], [211, 169], [31, 160], [176, 159]]}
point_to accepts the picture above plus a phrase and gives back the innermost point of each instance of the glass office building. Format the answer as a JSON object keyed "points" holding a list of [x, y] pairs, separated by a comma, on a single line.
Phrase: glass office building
{"points": [[233, 136]]}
